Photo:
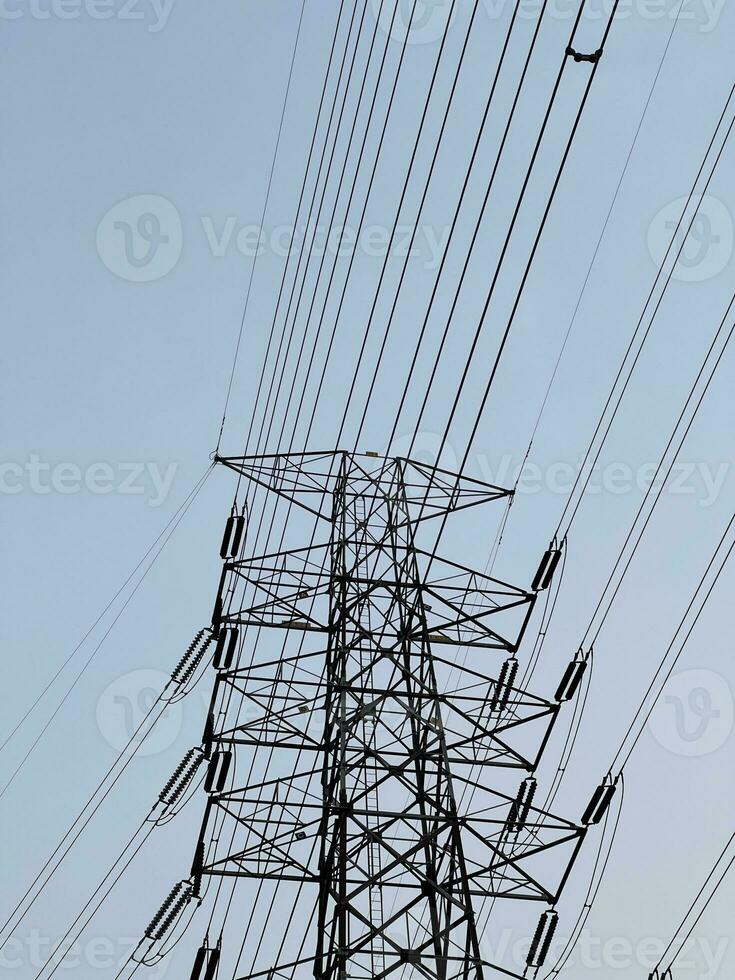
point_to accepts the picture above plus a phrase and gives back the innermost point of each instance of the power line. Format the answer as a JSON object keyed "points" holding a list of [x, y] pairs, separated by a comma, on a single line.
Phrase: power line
{"points": [[262, 222]]}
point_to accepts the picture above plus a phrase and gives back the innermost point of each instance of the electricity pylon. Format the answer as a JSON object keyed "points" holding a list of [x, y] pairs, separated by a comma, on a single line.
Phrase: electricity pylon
{"points": [[375, 738]]}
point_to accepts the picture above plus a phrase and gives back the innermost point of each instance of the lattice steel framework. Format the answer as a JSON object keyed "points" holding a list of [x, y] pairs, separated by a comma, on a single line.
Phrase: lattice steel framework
{"points": [[384, 805]]}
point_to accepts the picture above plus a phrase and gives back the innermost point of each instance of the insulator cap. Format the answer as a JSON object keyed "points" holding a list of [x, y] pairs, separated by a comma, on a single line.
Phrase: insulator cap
{"points": [[217, 771], [205, 964], [521, 806], [545, 573], [504, 685], [174, 912], [542, 939], [156, 927], [224, 550], [217, 614], [181, 777], [197, 869], [192, 658], [598, 805], [571, 680], [224, 653], [212, 964], [208, 735], [199, 960], [232, 536], [237, 536]]}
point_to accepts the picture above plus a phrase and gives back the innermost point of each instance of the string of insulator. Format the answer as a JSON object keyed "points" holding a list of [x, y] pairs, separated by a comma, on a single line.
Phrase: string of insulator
{"points": [[192, 658], [205, 963], [172, 905], [543, 577], [181, 777], [208, 735], [232, 535], [504, 685], [176, 909], [224, 651], [572, 678], [667, 975], [601, 800], [521, 806], [542, 939], [217, 771], [197, 869]]}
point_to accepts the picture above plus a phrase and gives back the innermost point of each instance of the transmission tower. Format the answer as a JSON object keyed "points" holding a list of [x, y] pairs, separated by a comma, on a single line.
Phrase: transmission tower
{"points": [[369, 783]]}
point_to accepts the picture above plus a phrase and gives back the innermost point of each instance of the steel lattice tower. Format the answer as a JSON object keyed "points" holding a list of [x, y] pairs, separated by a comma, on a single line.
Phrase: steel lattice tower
{"points": [[383, 804]]}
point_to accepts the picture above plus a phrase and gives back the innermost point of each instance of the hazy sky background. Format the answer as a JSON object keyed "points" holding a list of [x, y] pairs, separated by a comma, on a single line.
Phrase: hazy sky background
{"points": [[113, 392]]}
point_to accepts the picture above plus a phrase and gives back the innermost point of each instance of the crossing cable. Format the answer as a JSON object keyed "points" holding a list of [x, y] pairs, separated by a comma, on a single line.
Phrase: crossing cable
{"points": [[32, 707], [569, 746], [646, 707], [268, 413], [262, 223], [71, 836], [556, 88], [639, 325], [99, 903], [262, 442], [409, 248], [460, 203], [566, 154], [526, 273], [596, 251], [373, 104], [530, 669], [256, 400], [425, 114], [164, 537], [675, 938], [602, 861], [323, 154], [662, 675], [75, 830], [303, 243], [534, 249], [389, 247], [662, 485], [603, 231]]}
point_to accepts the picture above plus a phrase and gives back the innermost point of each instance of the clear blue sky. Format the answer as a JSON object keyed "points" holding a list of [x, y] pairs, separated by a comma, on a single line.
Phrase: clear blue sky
{"points": [[113, 391]]}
